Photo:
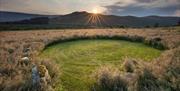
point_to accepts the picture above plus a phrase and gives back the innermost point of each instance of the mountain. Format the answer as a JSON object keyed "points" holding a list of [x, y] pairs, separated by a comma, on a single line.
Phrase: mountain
{"points": [[16, 16], [89, 19], [85, 18]]}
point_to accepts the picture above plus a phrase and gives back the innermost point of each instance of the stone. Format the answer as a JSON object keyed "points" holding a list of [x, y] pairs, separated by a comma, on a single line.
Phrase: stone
{"points": [[44, 74], [35, 77], [45, 78], [26, 50], [24, 60]]}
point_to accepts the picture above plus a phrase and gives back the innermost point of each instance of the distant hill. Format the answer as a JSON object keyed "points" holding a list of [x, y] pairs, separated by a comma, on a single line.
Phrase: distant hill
{"points": [[89, 19], [15, 16], [84, 18]]}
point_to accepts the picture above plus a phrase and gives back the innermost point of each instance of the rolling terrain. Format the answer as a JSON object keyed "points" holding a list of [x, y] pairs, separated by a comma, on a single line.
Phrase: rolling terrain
{"points": [[89, 45], [140, 74], [17, 16], [85, 19]]}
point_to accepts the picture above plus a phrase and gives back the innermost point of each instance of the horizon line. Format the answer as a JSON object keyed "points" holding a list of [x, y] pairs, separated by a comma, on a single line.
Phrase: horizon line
{"points": [[86, 12]]}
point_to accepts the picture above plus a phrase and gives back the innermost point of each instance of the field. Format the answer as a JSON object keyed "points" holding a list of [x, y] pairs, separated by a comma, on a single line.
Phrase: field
{"points": [[79, 59], [147, 59]]}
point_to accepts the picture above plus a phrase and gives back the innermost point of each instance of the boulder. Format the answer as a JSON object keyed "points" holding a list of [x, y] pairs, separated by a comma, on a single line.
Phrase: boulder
{"points": [[26, 50], [24, 60], [45, 78], [35, 77]]}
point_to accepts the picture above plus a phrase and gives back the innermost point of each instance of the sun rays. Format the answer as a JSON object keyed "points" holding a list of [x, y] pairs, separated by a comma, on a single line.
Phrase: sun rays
{"points": [[95, 11], [96, 19]]}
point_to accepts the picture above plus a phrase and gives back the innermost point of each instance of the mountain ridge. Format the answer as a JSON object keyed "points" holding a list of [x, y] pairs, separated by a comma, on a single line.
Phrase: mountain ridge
{"points": [[7, 16], [99, 20]]}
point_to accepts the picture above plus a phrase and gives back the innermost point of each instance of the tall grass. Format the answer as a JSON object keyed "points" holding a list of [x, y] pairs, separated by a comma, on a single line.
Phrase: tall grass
{"points": [[12, 46], [109, 79]]}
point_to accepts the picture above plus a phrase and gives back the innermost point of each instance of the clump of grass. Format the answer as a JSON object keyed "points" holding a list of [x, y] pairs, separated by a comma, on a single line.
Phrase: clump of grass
{"points": [[147, 82], [109, 79], [168, 70], [155, 42], [129, 65]]}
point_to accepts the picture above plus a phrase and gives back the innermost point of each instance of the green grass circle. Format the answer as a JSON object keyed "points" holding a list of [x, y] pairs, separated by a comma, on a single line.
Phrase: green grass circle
{"points": [[79, 59]]}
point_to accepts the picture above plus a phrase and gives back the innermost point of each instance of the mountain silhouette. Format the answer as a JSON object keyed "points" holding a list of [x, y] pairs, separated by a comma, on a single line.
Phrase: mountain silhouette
{"points": [[98, 20]]}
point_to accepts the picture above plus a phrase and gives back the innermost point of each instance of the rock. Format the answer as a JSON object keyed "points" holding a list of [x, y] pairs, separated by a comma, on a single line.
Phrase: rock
{"points": [[45, 78], [24, 60], [42, 70], [35, 77], [26, 50], [10, 50], [44, 74]]}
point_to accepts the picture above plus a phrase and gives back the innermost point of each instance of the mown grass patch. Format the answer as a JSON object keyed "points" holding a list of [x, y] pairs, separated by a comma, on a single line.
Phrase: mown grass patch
{"points": [[79, 59]]}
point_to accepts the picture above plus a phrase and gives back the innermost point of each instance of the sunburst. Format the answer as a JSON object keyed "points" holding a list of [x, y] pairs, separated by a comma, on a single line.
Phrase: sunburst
{"points": [[96, 19], [95, 11]]}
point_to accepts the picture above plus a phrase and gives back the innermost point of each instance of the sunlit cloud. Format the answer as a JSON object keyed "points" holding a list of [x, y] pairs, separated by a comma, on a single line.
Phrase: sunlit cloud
{"points": [[177, 13], [117, 7], [144, 7]]}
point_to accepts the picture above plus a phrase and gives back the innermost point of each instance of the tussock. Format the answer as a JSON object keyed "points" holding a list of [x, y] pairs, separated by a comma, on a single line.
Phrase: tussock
{"points": [[15, 44], [109, 79]]}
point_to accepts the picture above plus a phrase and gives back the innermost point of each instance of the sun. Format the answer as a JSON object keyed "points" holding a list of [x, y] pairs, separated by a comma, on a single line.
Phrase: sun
{"points": [[95, 11]]}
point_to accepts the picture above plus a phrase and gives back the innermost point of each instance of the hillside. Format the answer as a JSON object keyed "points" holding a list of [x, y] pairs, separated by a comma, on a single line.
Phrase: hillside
{"points": [[88, 19], [84, 18], [16, 16]]}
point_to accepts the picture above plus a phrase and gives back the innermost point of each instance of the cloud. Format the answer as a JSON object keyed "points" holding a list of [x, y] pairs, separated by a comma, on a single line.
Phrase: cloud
{"points": [[146, 1], [52, 6], [117, 7], [177, 13], [27, 6], [127, 10], [144, 7]]}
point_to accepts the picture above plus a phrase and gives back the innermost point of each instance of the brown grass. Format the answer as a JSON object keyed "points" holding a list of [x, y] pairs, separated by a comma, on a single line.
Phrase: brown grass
{"points": [[14, 77], [109, 79]]}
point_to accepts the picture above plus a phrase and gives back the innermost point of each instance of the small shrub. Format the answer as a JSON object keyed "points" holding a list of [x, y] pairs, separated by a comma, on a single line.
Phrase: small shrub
{"points": [[155, 42], [129, 65], [147, 82], [109, 80]]}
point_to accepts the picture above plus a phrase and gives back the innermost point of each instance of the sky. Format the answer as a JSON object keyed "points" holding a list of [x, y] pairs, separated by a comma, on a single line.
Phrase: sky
{"points": [[109, 7]]}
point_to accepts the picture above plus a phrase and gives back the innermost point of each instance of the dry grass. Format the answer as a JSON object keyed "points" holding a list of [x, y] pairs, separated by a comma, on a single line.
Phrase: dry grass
{"points": [[14, 77], [109, 79]]}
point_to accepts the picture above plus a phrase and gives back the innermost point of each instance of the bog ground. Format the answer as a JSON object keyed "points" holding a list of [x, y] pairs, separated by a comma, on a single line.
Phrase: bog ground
{"points": [[78, 60], [73, 56]]}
